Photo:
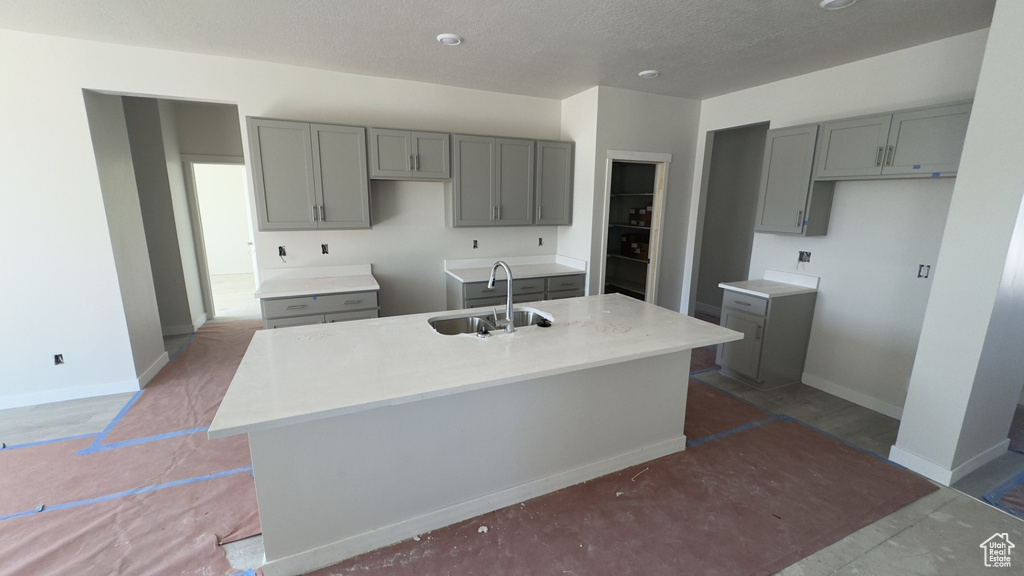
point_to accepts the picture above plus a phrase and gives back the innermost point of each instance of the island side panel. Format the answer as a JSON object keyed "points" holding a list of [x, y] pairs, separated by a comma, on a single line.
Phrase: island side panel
{"points": [[333, 488]]}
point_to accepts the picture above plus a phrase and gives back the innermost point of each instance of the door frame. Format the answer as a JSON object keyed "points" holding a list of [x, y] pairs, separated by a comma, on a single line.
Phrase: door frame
{"points": [[662, 162], [188, 162]]}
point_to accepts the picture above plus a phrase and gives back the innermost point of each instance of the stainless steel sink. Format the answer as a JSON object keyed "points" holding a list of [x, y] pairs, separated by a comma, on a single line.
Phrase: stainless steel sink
{"points": [[479, 321]]}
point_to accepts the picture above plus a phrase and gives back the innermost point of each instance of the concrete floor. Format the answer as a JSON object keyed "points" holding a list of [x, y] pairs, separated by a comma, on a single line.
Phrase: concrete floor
{"points": [[938, 535]]}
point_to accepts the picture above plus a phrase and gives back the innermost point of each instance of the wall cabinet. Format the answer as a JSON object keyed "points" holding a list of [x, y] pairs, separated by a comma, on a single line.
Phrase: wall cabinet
{"points": [[493, 181], [318, 309], [309, 176], [476, 294], [924, 141], [789, 202], [554, 183], [775, 334], [405, 155]]}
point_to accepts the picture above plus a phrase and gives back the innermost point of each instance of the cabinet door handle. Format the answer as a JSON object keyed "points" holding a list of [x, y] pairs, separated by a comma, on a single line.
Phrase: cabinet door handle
{"points": [[347, 302], [878, 156], [412, 162], [799, 217], [757, 336], [323, 218], [417, 168], [538, 212], [889, 157], [499, 211], [315, 218], [295, 307]]}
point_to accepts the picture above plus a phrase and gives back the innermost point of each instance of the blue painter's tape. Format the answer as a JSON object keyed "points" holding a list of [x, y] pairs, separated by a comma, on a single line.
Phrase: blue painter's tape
{"points": [[132, 492], [96, 447], [936, 174], [917, 166], [314, 297], [994, 496], [736, 430], [42, 442], [182, 347], [249, 572], [114, 422]]}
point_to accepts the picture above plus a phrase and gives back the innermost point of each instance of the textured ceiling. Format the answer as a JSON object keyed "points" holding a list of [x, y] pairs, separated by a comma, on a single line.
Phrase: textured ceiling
{"points": [[546, 48]]}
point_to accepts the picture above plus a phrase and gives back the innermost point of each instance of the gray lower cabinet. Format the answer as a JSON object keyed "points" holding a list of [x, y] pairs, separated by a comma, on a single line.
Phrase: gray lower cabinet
{"points": [[477, 295], [309, 176], [493, 181], [923, 142], [318, 309], [554, 183], [775, 334], [789, 202], [406, 155]]}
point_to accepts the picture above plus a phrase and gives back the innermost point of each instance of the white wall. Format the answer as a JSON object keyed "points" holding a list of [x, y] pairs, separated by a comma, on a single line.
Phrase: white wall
{"points": [[934, 73], [223, 200], [968, 370], [67, 289], [636, 122]]}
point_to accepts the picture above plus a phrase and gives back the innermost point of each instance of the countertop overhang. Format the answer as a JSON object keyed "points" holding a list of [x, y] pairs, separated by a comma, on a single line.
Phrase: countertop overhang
{"points": [[766, 288], [306, 373]]}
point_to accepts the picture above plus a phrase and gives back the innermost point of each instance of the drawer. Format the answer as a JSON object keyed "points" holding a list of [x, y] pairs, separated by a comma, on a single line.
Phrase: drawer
{"points": [[480, 290], [559, 294], [528, 286], [571, 282], [322, 304], [346, 316], [486, 302], [294, 321], [745, 302]]}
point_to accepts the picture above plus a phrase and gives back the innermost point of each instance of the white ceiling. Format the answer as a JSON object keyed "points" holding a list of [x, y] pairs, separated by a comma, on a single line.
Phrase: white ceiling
{"points": [[545, 48]]}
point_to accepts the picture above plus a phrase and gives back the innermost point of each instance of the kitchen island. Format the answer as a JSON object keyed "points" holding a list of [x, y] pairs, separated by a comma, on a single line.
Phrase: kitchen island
{"points": [[369, 432]]}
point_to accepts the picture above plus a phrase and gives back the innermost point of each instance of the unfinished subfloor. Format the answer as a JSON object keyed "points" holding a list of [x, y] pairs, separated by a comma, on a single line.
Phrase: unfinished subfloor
{"points": [[939, 534]]}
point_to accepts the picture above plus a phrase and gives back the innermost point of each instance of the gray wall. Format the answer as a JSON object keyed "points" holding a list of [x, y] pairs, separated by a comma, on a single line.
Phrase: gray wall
{"points": [[730, 210], [124, 218]]}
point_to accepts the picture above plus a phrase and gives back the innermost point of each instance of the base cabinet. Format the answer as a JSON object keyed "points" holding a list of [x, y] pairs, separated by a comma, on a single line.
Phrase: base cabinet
{"points": [[319, 309], [477, 295], [775, 334]]}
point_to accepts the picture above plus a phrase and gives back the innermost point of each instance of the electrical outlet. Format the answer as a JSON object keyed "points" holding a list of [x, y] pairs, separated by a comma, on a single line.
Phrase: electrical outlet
{"points": [[58, 359], [540, 241], [475, 245], [281, 252], [804, 257], [323, 248]]}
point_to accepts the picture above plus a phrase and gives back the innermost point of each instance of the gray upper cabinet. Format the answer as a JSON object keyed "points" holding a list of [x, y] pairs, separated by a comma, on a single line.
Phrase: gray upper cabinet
{"points": [[405, 155], [554, 183], [925, 141], [339, 176], [282, 166], [309, 176], [493, 181], [788, 201]]}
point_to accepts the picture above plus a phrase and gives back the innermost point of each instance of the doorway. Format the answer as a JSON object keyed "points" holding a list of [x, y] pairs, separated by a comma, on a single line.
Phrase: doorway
{"points": [[223, 238]]}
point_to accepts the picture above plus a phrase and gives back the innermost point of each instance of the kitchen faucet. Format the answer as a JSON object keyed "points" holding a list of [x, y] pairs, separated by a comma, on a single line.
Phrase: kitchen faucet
{"points": [[509, 324]]}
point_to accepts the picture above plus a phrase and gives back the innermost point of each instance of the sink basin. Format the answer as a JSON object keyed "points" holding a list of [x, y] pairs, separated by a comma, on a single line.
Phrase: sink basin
{"points": [[479, 321]]}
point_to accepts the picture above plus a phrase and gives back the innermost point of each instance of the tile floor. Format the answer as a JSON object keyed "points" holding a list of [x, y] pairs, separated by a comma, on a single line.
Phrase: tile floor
{"points": [[938, 535]]}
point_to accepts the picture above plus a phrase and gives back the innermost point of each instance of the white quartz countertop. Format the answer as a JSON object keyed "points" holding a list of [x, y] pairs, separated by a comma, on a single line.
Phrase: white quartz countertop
{"points": [[483, 274], [766, 288], [304, 373], [286, 287]]}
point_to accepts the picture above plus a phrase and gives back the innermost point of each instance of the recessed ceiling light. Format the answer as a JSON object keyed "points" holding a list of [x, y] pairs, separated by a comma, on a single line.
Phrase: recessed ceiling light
{"points": [[449, 39], [648, 74], [836, 4]]}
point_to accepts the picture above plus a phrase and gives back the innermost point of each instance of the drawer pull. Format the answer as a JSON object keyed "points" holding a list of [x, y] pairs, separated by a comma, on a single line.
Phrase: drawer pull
{"points": [[566, 283], [527, 287], [347, 302], [741, 303], [295, 307]]}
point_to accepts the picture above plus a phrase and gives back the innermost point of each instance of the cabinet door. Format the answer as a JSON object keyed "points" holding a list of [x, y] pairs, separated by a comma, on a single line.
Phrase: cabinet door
{"points": [[391, 154], [339, 169], [785, 179], [473, 183], [554, 183], [432, 156], [853, 147], [514, 181], [283, 174], [927, 141], [743, 356]]}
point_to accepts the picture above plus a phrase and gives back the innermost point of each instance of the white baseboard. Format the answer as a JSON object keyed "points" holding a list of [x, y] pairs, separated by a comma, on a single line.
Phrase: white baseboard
{"points": [[62, 394], [940, 474], [880, 406], [337, 551], [151, 372], [708, 309]]}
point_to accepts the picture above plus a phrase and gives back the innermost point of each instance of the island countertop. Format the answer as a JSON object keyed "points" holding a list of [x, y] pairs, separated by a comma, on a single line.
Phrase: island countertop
{"points": [[310, 372]]}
